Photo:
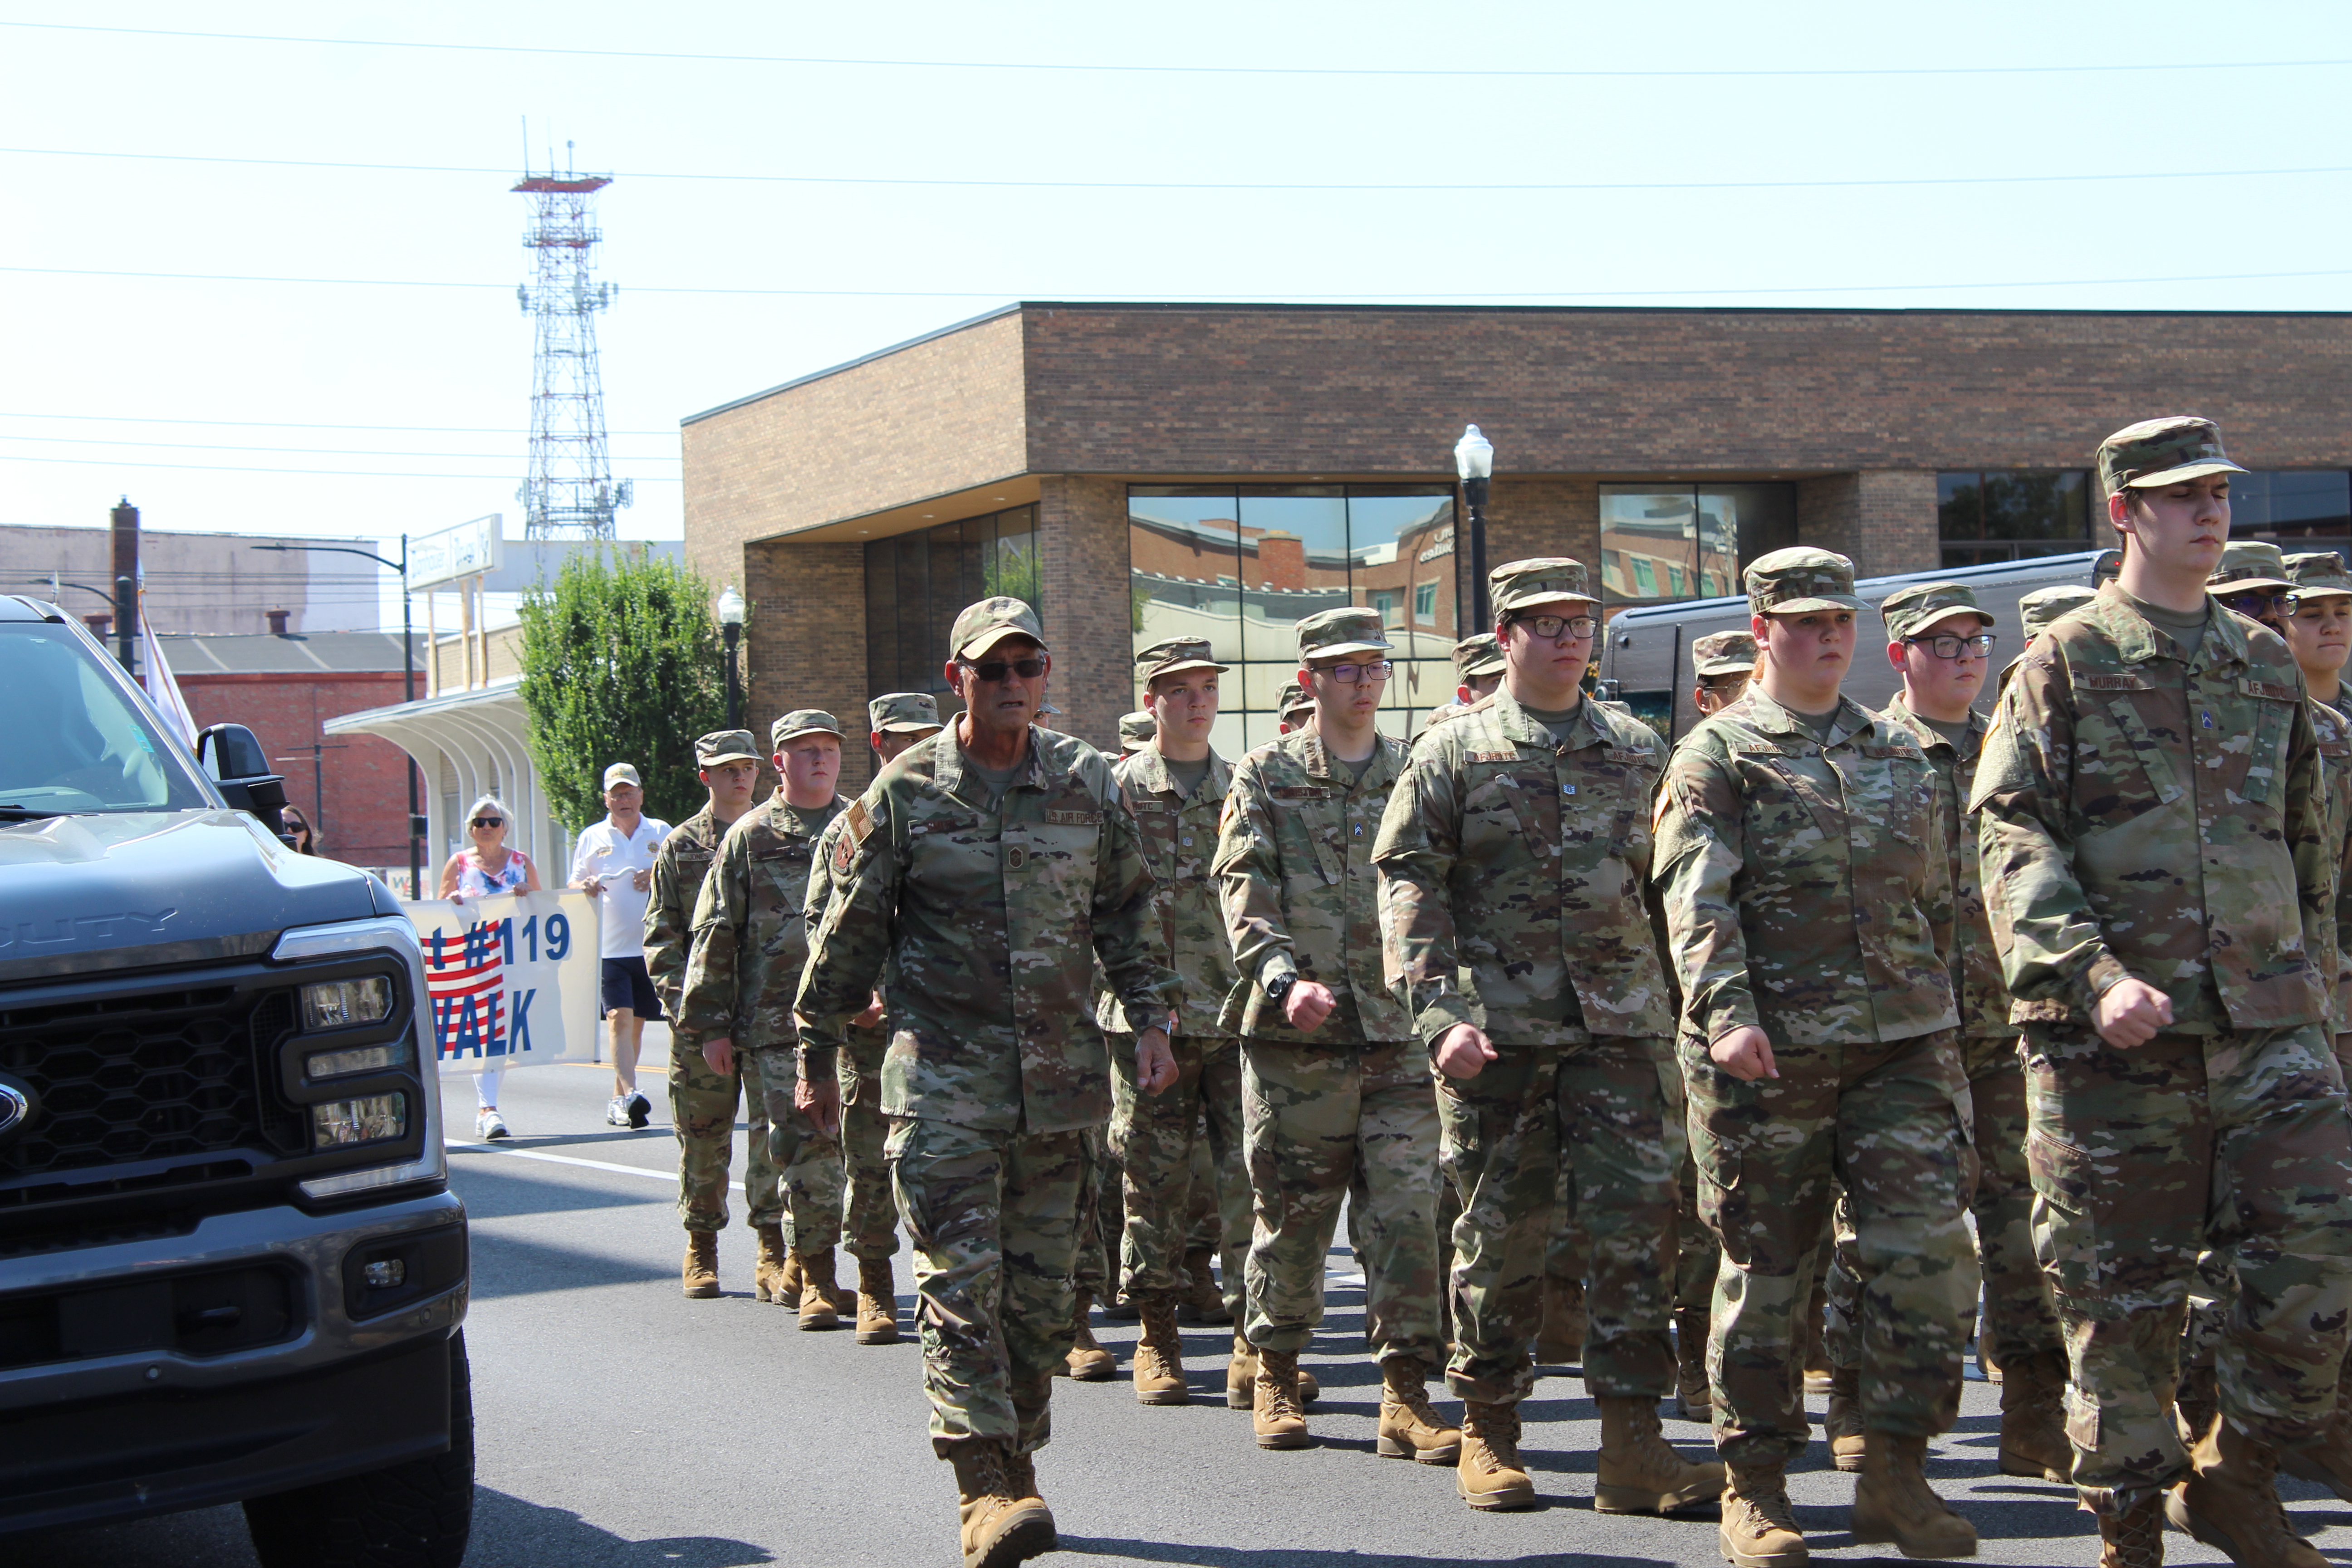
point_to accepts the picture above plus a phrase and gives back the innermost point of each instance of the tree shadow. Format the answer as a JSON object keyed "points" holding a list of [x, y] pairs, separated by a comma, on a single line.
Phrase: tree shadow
{"points": [[508, 1266]]}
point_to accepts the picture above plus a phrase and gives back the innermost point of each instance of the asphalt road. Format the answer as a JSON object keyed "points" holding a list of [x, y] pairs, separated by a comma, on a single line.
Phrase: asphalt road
{"points": [[622, 1424]]}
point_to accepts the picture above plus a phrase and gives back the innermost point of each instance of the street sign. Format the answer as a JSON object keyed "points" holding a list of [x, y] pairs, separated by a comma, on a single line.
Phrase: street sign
{"points": [[460, 552]]}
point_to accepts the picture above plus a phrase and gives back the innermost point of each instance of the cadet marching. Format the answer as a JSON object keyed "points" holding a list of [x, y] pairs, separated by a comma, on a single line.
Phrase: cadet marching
{"points": [[2019, 1022]]}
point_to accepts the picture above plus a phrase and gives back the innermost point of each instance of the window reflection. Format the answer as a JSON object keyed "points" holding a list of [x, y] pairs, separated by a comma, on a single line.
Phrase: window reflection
{"points": [[917, 583], [1663, 543], [1989, 516]]}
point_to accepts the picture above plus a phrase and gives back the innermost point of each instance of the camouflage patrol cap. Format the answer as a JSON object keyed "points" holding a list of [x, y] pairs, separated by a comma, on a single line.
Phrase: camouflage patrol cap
{"points": [[1799, 579], [2044, 606], [1723, 653], [1293, 699], [724, 746], [2248, 565], [1556, 582], [1171, 656], [1912, 610], [1477, 656], [2319, 574], [1350, 629], [2163, 452], [1138, 728], [895, 713], [803, 721], [982, 626]]}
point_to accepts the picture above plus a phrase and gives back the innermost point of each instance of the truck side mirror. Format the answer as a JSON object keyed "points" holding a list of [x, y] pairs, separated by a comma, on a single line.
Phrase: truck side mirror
{"points": [[233, 759]]}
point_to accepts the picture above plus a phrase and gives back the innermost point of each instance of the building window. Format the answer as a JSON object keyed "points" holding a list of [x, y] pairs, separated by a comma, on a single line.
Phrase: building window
{"points": [[1988, 516], [917, 583], [2298, 509], [1660, 543], [1243, 566]]}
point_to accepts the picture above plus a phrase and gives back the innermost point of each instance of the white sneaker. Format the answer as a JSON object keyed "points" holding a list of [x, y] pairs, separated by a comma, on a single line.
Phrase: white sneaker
{"points": [[488, 1124], [640, 1109], [617, 1113]]}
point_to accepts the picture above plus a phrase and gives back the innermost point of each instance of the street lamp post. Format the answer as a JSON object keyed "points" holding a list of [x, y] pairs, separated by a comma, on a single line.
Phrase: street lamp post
{"points": [[730, 627], [407, 688], [1473, 459]]}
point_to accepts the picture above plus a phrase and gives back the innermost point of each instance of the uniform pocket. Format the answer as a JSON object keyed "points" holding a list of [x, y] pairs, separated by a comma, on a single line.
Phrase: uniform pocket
{"points": [[2065, 1234]]}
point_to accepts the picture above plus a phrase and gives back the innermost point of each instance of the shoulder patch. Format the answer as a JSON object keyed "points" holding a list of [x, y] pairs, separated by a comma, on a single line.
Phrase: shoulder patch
{"points": [[2269, 689], [860, 820], [1475, 757], [2090, 682], [1644, 754]]}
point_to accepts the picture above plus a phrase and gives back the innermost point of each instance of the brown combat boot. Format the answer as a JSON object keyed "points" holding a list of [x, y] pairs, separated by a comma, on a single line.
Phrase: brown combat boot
{"points": [[1203, 1301], [878, 1302], [1488, 1475], [1274, 1413], [1893, 1502], [2134, 1539], [1240, 1378], [998, 1529], [816, 1304], [1760, 1526], [1560, 1341], [777, 1276], [2033, 1416], [818, 1266], [1088, 1361], [1160, 1355], [2230, 1502], [1844, 1422], [1691, 1390], [1638, 1470], [700, 1274], [1410, 1427]]}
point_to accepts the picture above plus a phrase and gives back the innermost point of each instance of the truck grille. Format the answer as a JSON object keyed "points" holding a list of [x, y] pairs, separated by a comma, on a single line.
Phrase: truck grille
{"points": [[161, 1075]]}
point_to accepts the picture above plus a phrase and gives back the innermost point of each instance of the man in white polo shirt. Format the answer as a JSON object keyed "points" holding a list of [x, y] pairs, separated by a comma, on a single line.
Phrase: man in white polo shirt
{"points": [[613, 863]]}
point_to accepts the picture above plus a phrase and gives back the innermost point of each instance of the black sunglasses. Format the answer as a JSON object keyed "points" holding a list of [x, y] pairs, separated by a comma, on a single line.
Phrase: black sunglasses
{"points": [[490, 822], [995, 670]]}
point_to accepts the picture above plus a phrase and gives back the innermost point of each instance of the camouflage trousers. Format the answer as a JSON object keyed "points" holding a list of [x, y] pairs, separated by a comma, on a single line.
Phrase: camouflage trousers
{"points": [[1318, 1121], [2019, 1318], [703, 1112], [1156, 1139], [1889, 1119], [2142, 1161], [1567, 1255], [1611, 1111], [993, 1219], [807, 1162], [869, 1217], [1102, 1211], [1697, 1255]]}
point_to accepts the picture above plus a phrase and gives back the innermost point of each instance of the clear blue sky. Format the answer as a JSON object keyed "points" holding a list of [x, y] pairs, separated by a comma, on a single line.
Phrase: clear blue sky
{"points": [[1730, 128]]}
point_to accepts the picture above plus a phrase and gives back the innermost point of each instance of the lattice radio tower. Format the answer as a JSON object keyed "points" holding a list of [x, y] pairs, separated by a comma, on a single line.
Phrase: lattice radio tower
{"points": [[570, 492]]}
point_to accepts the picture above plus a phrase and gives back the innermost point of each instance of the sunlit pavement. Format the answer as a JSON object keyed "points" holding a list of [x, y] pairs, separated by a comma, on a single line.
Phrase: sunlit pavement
{"points": [[620, 1424]]}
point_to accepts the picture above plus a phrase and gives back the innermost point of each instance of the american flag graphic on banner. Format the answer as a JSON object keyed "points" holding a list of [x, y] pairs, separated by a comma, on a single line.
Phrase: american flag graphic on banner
{"points": [[466, 978]]}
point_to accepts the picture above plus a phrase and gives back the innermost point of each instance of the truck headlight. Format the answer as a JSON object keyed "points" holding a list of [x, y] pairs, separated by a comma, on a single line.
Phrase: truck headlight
{"points": [[341, 1004], [357, 1059], [376, 1119]]}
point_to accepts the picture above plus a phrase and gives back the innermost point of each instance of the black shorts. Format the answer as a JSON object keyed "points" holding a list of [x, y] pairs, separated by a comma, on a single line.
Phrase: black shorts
{"points": [[626, 985]]}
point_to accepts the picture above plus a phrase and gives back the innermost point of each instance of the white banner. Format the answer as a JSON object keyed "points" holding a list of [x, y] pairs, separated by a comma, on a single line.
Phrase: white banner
{"points": [[460, 552], [513, 978]]}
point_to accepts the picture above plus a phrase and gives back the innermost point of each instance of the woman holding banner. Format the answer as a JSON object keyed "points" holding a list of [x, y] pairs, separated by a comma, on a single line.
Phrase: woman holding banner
{"points": [[487, 867]]}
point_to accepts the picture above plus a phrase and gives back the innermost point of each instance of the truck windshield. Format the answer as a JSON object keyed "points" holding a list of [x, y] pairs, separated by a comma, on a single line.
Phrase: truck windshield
{"points": [[73, 742]]}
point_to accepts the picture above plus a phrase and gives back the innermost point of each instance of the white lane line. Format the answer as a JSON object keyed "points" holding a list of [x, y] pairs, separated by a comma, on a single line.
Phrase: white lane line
{"points": [[568, 1160]]}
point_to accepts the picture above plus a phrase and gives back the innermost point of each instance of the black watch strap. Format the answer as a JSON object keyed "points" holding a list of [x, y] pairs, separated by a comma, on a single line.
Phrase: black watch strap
{"points": [[1279, 986]]}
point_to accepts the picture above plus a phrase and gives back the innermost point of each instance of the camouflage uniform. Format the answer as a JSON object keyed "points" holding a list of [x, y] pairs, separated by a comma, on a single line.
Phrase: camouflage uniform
{"points": [[702, 1099], [983, 924], [1354, 1098], [869, 1217], [1806, 894], [750, 936], [2155, 812], [1524, 857]]}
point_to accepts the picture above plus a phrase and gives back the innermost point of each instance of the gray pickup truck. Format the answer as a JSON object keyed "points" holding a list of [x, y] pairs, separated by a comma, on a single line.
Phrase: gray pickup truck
{"points": [[231, 1268]]}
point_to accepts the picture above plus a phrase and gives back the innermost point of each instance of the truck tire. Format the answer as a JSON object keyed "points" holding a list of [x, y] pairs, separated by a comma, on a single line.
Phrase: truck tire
{"points": [[416, 1515]]}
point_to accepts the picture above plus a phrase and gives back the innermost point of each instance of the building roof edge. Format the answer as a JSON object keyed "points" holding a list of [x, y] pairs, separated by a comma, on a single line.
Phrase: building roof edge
{"points": [[853, 364]]}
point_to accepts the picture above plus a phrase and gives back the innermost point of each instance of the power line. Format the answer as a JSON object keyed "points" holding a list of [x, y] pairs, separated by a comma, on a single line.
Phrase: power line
{"points": [[330, 473], [296, 424], [303, 451], [1131, 69], [1565, 186]]}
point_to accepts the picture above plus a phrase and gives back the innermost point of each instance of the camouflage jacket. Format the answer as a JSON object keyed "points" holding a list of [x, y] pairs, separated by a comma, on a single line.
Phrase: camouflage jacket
{"points": [[1180, 840], [858, 1066], [1975, 964], [2335, 735], [1804, 886], [2145, 814], [1295, 874], [679, 866], [1524, 859], [750, 936], [982, 927]]}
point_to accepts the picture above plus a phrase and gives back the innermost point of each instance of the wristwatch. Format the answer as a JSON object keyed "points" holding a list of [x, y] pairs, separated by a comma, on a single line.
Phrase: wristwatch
{"points": [[1279, 986]]}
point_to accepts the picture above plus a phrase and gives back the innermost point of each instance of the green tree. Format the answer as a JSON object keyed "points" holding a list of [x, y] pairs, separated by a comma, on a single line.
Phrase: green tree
{"points": [[620, 663]]}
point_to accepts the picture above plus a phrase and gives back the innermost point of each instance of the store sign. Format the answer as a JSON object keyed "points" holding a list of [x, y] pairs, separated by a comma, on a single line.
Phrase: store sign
{"points": [[1442, 546], [461, 552]]}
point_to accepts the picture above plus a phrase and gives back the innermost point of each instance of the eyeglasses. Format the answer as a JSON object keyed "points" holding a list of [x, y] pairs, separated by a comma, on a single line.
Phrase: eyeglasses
{"points": [[995, 669], [2260, 605], [1552, 627], [1950, 644], [1349, 674], [490, 822]]}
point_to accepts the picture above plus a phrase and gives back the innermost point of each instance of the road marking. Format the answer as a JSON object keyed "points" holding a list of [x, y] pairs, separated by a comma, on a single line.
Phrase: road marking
{"points": [[568, 1160]]}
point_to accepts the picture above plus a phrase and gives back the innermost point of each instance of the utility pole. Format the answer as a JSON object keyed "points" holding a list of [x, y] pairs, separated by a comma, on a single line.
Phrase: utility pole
{"points": [[124, 520]]}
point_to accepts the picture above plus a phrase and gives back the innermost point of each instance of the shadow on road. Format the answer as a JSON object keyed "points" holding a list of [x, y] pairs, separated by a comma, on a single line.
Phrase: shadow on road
{"points": [[509, 1531], [499, 1186], [1309, 1557], [508, 1266]]}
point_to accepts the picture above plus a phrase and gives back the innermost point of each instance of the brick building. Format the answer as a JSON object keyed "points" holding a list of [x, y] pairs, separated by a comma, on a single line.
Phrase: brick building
{"points": [[353, 788], [1138, 470]]}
